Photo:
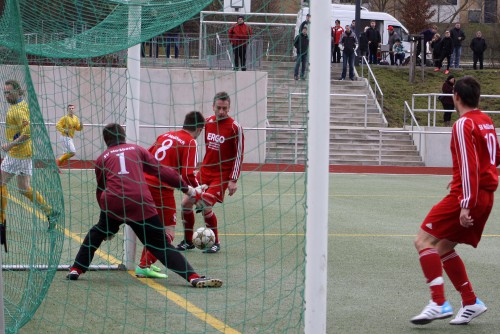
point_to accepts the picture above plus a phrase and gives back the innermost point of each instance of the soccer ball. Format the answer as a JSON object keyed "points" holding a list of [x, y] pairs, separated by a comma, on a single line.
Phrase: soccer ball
{"points": [[203, 238]]}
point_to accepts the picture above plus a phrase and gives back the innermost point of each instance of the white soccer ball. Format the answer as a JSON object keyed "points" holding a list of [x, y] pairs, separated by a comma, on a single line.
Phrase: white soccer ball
{"points": [[203, 238]]}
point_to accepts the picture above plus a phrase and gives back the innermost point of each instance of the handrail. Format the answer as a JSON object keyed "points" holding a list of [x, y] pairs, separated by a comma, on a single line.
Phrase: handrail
{"points": [[432, 105], [413, 119], [332, 94], [377, 86]]}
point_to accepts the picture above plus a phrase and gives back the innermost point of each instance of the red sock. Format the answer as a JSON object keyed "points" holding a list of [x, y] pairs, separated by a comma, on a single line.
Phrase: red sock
{"points": [[188, 222], [192, 277], [79, 271], [147, 258], [211, 223], [455, 269], [433, 272]]}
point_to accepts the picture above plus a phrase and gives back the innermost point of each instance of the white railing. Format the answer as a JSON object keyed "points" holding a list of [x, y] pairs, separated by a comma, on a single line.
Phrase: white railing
{"points": [[432, 105], [377, 86], [365, 96]]}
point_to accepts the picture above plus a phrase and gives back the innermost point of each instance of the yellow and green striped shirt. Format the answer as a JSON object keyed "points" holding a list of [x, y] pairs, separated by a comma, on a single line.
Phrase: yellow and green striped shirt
{"points": [[70, 123], [17, 124]]}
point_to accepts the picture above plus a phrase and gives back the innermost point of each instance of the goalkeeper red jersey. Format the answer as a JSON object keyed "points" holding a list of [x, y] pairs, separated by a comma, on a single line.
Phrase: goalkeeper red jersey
{"points": [[178, 150], [224, 143], [475, 153], [122, 192]]}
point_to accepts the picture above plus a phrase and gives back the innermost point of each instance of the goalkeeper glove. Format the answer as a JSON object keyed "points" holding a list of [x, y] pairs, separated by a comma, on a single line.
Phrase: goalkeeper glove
{"points": [[3, 234], [194, 194]]}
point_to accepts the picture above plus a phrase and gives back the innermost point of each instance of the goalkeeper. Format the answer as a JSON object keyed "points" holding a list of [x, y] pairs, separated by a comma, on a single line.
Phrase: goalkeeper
{"points": [[178, 150], [124, 197]]}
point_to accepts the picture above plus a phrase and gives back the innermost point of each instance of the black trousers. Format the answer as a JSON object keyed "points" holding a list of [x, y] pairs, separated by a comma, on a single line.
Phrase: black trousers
{"points": [[240, 57], [150, 232], [447, 114], [475, 58]]}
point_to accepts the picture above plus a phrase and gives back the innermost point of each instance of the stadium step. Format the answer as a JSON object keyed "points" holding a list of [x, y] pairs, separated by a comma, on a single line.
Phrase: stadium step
{"points": [[351, 142]]}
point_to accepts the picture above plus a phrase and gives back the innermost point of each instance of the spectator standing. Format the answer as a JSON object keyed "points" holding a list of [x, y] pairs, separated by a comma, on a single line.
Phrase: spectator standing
{"points": [[305, 23], [348, 45], [374, 41], [337, 32], [239, 35], [124, 198], [457, 37], [446, 51], [447, 101], [173, 39], [393, 36], [220, 169], [67, 125], [399, 52], [478, 46], [353, 26], [363, 43], [301, 44], [436, 51], [177, 150], [460, 217], [427, 34]]}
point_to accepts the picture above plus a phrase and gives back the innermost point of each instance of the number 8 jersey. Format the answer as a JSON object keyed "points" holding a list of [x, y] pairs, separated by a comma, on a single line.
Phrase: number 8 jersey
{"points": [[475, 153]]}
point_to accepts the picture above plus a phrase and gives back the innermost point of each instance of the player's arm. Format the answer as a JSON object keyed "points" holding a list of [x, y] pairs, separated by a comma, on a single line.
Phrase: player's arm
{"points": [[497, 155], [61, 126], [239, 142], [23, 135], [79, 125], [99, 176], [165, 174], [466, 155], [189, 163]]}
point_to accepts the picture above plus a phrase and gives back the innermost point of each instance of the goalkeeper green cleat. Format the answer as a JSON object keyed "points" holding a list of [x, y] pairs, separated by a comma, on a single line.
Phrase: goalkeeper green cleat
{"points": [[148, 273], [155, 268]]}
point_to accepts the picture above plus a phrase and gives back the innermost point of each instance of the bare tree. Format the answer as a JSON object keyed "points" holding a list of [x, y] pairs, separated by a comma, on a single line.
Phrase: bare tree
{"points": [[416, 14]]}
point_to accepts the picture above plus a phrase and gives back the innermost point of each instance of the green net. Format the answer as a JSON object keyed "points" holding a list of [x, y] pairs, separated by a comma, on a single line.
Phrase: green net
{"points": [[75, 52]]}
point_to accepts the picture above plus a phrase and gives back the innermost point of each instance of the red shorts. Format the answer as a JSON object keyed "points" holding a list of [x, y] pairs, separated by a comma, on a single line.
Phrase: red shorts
{"points": [[216, 186], [443, 221], [165, 204]]}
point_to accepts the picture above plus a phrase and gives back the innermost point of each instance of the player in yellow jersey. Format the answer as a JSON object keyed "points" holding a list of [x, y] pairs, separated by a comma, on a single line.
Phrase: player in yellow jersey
{"points": [[17, 161], [67, 126]]}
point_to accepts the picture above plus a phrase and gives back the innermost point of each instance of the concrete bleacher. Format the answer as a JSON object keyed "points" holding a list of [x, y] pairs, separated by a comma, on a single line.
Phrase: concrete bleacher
{"points": [[350, 141]]}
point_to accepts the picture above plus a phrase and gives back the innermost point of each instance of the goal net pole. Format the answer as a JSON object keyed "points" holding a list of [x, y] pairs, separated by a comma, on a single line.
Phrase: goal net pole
{"points": [[317, 176], [133, 113]]}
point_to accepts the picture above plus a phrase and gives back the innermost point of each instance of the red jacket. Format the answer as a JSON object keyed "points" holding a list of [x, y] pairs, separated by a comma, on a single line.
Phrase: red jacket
{"points": [[336, 34], [239, 34]]}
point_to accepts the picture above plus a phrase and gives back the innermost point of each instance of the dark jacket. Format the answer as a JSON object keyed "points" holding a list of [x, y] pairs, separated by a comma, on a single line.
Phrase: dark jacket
{"points": [[363, 43], [373, 35], [446, 47], [428, 35], [455, 34], [436, 48], [478, 45], [301, 43], [349, 41], [447, 89]]}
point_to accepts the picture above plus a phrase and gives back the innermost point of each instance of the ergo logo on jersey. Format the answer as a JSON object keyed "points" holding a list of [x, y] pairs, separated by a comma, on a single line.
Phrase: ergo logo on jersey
{"points": [[216, 138]]}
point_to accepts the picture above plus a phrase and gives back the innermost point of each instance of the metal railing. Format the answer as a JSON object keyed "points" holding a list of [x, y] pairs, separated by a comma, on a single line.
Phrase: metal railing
{"points": [[365, 96], [377, 88], [432, 109]]}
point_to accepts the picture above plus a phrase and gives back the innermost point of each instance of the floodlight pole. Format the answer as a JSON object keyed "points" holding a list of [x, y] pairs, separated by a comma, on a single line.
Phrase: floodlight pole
{"points": [[132, 114], [317, 170]]}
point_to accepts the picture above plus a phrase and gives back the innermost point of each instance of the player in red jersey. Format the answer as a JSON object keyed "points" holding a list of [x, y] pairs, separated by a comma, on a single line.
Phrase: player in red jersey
{"points": [[461, 216], [220, 169], [178, 150], [124, 197]]}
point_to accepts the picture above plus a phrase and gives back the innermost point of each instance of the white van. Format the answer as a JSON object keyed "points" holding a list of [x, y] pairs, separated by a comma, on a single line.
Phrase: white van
{"points": [[347, 13]]}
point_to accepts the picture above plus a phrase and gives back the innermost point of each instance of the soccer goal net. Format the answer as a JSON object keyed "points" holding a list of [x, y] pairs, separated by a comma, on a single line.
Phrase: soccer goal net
{"points": [[145, 65]]}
